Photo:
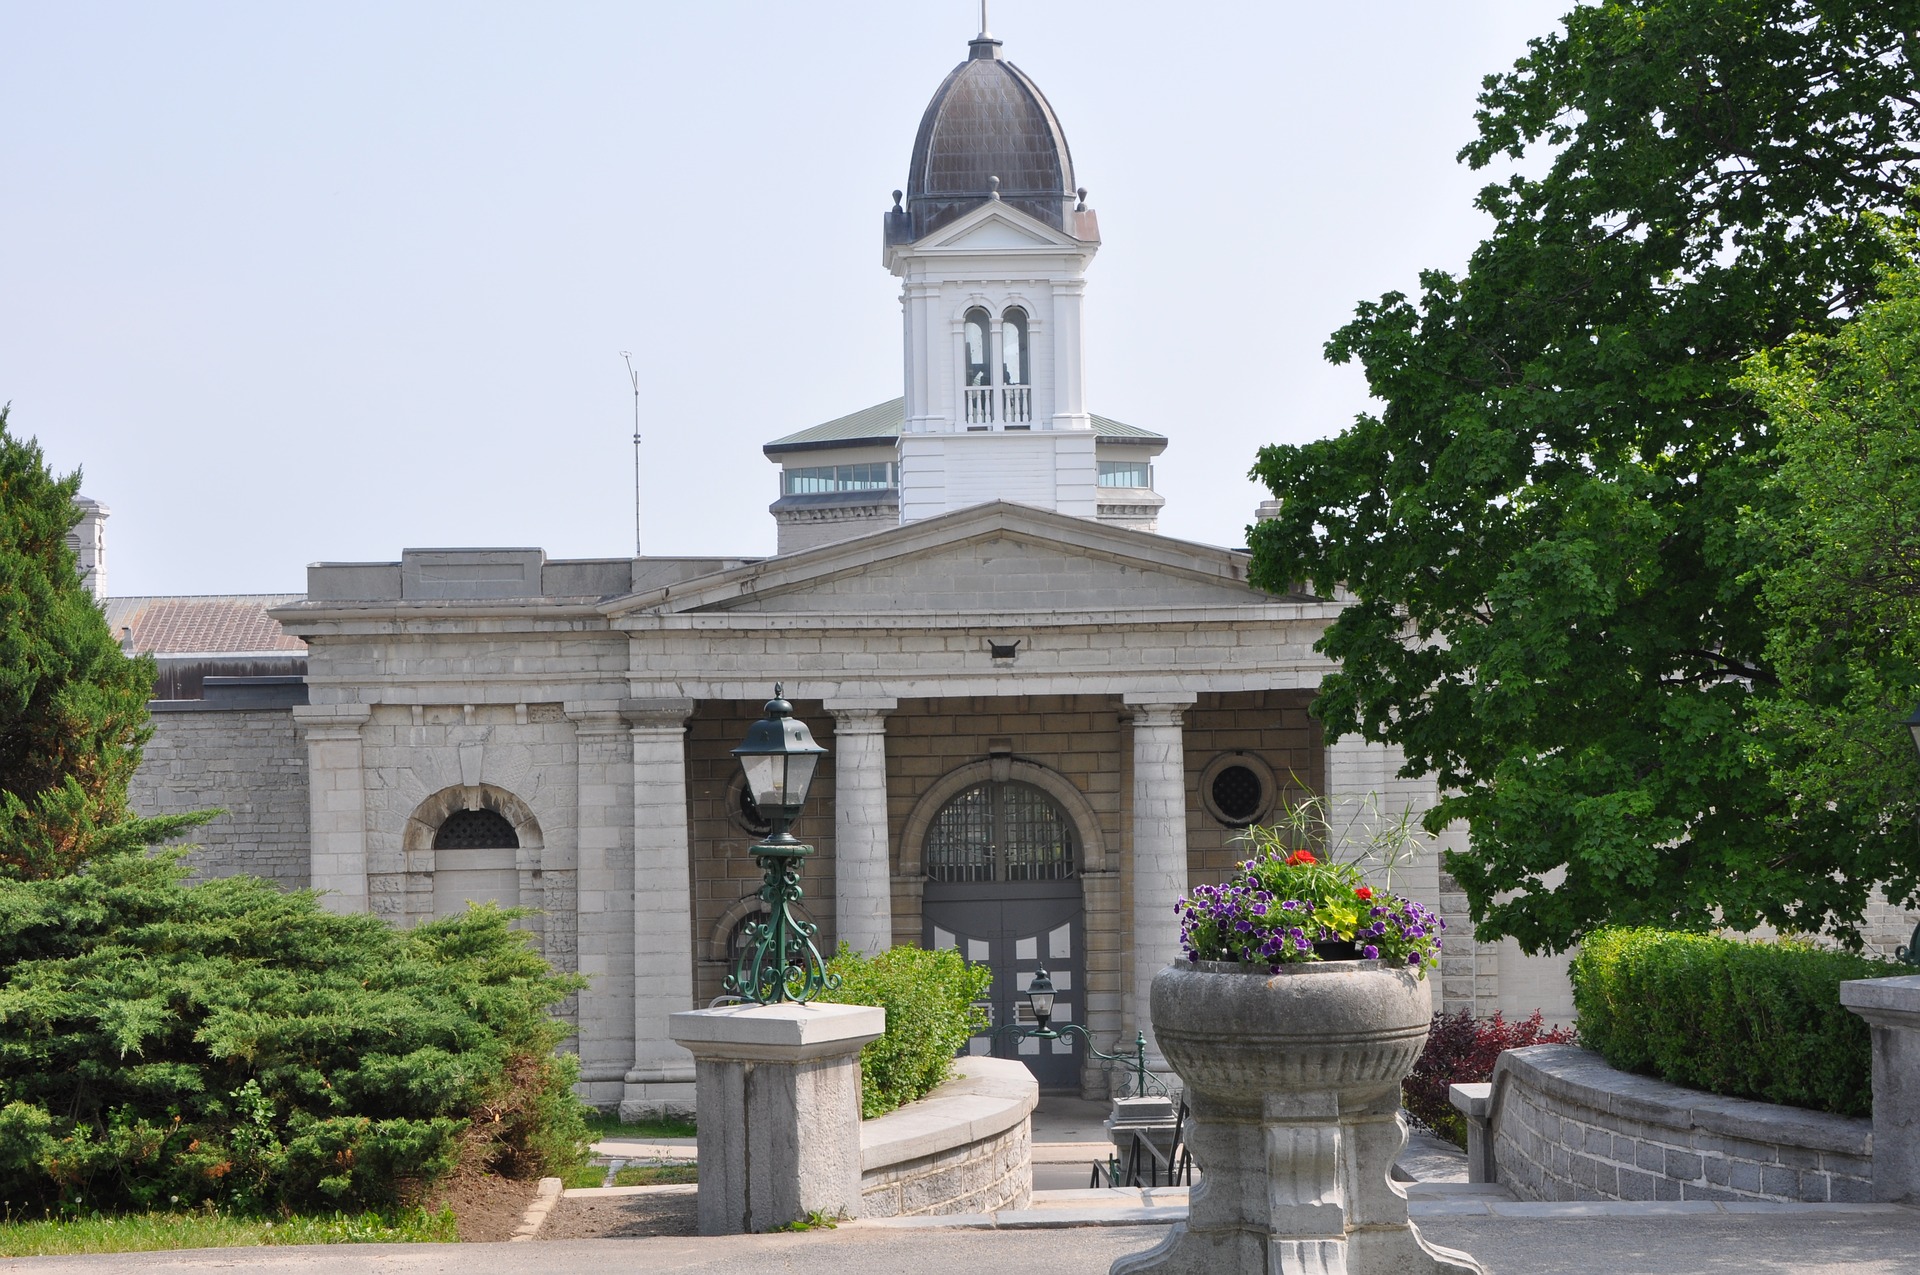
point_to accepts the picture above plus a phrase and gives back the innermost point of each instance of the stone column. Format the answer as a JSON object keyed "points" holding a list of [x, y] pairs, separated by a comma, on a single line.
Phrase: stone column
{"points": [[1159, 846], [604, 819], [1891, 1007], [779, 1111], [337, 856], [660, 1081], [862, 877]]}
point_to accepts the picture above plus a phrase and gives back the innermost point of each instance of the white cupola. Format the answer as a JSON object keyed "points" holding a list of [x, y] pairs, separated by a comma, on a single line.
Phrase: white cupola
{"points": [[991, 245]]}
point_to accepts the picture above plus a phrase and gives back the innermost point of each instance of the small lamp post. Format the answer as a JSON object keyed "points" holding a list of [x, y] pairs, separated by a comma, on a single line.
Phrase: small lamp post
{"points": [[1040, 995], [779, 961]]}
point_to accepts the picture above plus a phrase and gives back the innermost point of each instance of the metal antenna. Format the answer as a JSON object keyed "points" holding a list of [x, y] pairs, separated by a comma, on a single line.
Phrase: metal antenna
{"points": [[983, 18], [634, 376]]}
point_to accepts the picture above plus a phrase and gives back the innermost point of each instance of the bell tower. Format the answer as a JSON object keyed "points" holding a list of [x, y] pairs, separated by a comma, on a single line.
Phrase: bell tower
{"points": [[991, 240]]}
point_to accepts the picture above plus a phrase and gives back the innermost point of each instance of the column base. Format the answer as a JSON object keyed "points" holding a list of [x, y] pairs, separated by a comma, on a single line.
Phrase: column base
{"points": [[658, 1100]]}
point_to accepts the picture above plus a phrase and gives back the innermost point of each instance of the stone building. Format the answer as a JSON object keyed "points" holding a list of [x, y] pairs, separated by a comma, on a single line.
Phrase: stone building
{"points": [[1045, 720]]}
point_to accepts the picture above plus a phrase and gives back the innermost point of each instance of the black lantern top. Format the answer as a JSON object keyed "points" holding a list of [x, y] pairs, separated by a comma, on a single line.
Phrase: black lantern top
{"points": [[779, 757], [1040, 998]]}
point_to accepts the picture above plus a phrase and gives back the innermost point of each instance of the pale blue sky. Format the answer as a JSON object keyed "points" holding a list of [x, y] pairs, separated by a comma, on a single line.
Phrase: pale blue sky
{"points": [[321, 282]]}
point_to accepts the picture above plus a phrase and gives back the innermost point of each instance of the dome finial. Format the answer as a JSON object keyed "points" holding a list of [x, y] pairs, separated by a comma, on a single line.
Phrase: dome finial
{"points": [[983, 45], [993, 188]]}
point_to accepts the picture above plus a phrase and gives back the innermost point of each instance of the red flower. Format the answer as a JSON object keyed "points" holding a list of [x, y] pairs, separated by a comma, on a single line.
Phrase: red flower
{"points": [[1364, 892], [1299, 857]]}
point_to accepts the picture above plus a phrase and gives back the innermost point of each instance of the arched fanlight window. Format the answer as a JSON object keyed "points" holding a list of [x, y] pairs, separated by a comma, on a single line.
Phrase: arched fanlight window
{"points": [[979, 349], [1014, 366], [476, 830], [1000, 832]]}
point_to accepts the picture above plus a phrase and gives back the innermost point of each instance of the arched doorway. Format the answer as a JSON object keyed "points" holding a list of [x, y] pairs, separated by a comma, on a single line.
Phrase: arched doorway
{"points": [[1001, 859]]}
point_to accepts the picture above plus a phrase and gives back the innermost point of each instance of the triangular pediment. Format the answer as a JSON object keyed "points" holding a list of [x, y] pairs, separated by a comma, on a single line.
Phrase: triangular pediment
{"points": [[996, 225], [993, 559]]}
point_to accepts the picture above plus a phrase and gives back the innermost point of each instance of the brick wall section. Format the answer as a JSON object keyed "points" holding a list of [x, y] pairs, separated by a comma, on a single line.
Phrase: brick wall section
{"points": [[1568, 1127], [251, 763], [1271, 725]]}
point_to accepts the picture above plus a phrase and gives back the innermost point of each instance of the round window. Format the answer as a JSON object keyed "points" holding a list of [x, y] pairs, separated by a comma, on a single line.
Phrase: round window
{"points": [[1237, 789], [743, 810]]}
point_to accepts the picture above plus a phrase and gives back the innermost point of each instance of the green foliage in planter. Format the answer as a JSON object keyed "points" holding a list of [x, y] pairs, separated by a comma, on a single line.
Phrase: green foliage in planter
{"points": [[165, 1045], [1737, 1017], [929, 998]]}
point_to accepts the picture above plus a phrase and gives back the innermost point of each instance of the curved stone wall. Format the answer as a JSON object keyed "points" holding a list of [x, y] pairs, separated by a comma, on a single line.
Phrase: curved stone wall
{"points": [[1566, 1126], [967, 1147]]}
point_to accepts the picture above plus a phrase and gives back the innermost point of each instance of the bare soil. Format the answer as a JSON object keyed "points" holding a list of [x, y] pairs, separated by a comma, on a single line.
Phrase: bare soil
{"points": [[623, 1216], [486, 1207]]}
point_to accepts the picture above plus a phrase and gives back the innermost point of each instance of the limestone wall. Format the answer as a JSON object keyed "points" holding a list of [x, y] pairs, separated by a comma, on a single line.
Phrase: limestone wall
{"points": [[249, 762], [967, 1147], [1566, 1126]]}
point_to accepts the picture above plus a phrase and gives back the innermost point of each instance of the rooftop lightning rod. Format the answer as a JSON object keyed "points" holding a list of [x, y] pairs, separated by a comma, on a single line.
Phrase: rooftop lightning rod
{"points": [[634, 377]]}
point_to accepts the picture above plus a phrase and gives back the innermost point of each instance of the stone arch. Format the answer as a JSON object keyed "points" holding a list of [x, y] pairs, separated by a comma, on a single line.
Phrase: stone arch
{"points": [[416, 841], [1086, 821], [744, 907]]}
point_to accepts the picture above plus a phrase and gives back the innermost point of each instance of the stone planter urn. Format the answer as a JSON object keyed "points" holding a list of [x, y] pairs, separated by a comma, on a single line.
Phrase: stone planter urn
{"points": [[1293, 1089]]}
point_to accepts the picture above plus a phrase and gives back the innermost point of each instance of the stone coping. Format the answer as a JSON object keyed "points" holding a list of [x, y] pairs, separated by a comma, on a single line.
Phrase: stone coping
{"points": [[1581, 1076], [785, 1032], [983, 1099], [1898, 996]]}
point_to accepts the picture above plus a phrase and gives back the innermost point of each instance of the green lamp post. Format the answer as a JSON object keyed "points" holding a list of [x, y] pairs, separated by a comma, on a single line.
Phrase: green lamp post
{"points": [[779, 961]]}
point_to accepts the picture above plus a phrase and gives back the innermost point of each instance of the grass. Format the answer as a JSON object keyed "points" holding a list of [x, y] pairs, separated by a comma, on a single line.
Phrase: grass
{"points": [[815, 1220], [576, 1177], [148, 1232], [656, 1174], [602, 1126]]}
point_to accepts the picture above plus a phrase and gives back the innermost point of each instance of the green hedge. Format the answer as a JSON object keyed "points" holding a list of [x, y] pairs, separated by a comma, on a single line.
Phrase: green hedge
{"points": [[929, 998], [1736, 1017], [165, 1045]]}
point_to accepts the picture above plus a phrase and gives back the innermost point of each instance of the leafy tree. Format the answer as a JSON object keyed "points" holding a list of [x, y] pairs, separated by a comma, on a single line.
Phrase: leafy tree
{"points": [[1552, 611], [73, 708], [1839, 533], [229, 1042]]}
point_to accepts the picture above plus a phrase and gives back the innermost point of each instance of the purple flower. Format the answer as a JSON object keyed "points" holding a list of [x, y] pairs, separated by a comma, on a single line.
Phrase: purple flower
{"points": [[1413, 958], [1370, 952]]}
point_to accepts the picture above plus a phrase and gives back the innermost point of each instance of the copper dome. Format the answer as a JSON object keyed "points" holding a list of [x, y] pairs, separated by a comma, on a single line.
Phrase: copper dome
{"points": [[987, 121]]}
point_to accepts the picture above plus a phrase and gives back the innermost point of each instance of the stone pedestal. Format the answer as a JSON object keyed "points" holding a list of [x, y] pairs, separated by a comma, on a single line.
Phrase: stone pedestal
{"points": [[1293, 1086], [1475, 1103], [779, 1097], [1891, 1007]]}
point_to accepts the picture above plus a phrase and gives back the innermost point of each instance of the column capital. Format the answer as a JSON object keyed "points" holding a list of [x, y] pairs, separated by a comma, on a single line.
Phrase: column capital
{"points": [[656, 714], [332, 721], [1158, 708], [854, 716], [595, 718]]}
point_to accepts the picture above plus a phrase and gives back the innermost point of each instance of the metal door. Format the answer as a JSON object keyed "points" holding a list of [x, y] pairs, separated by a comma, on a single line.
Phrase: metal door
{"points": [[1015, 929], [1002, 889]]}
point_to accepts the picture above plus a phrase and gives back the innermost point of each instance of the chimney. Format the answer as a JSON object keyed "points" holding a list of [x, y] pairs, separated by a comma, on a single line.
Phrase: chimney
{"points": [[89, 543]]}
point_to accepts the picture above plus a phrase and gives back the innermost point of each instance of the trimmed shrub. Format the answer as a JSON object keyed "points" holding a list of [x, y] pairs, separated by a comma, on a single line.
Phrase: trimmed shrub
{"points": [[929, 998], [164, 1045], [1742, 1018], [1461, 1050]]}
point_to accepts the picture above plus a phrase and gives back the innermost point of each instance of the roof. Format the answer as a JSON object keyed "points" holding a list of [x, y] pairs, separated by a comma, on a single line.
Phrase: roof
{"points": [[988, 133], [206, 624], [883, 422]]}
